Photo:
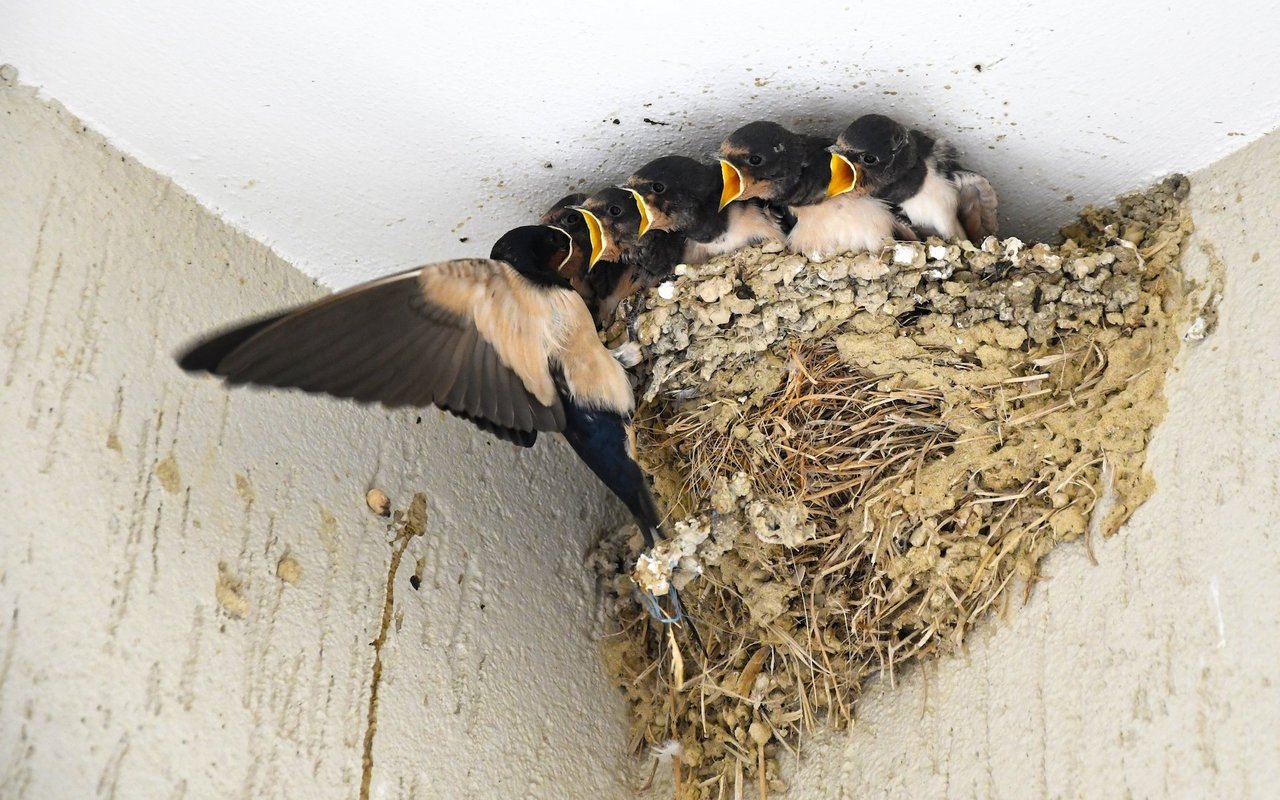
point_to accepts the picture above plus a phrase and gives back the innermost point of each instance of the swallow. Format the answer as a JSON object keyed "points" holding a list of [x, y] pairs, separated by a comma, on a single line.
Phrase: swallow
{"points": [[618, 223], [917, 173], [505, 343], [563, 216], [681, 195], [593, 282], [765, 161]]}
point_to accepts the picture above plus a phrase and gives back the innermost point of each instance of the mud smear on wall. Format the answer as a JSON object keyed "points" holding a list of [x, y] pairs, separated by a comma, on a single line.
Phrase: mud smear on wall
{"points": [[405, 525], [861, 458]]}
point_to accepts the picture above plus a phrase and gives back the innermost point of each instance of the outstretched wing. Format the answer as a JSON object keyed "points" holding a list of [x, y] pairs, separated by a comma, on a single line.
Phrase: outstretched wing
{"points": [[468, 336], [978, 205]]}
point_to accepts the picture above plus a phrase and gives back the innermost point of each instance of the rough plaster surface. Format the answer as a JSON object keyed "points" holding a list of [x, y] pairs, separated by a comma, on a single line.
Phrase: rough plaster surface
{"points": [[124, 484], [356, 139], [1153, 674]]}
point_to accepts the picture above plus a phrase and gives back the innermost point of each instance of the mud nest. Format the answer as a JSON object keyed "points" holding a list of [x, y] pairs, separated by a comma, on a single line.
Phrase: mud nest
{"points": [[860, 458]]}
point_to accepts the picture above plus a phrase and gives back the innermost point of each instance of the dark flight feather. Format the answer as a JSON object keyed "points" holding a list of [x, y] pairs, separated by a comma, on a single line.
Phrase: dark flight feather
{"points": [[382, 342]]}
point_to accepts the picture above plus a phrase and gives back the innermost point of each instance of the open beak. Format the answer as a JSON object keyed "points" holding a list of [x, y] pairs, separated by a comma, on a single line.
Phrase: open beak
{"points": [[844, 175], [645, 219], [568, 253], [596, 231], [732, 183]]}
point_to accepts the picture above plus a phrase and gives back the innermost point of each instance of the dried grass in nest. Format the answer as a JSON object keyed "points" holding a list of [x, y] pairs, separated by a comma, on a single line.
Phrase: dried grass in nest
{"points": [[854, 493]]}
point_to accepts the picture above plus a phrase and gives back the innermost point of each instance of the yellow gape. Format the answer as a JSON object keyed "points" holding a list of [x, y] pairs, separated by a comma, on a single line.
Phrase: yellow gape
{"points": [[645, 218], [844, 175], [732, 179], [596, 231]]}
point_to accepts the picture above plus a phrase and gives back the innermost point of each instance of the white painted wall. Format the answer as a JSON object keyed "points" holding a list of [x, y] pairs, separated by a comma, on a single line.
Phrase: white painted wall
{"points": [[356, 138]]}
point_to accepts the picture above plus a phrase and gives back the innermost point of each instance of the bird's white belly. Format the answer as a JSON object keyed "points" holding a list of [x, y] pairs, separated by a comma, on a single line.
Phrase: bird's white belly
{"points": [[748, 225], [842, 224], [933, 209]]}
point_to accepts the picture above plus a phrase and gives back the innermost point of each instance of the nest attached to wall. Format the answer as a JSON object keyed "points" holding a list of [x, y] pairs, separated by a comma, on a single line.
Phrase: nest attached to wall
{"points": [[860, 458]]}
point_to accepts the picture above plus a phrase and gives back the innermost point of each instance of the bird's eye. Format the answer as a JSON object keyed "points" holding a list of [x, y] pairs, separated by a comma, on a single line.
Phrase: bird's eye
{"points": [[868, 158], [615, 211], [755, 160], [658, 187]]}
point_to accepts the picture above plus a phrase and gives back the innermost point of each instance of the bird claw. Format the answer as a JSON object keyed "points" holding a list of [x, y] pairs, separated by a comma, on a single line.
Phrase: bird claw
{"points": [[651, 604]]}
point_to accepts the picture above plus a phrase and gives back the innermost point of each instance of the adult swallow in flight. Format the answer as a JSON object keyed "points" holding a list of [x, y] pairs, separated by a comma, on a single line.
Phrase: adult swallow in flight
{"points": [[917, 173], [681, 195], [503, 342], [619, 222], [765, 161]]}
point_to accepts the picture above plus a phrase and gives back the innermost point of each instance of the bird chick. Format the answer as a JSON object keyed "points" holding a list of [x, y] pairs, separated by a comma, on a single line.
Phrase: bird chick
{"points": [[766, 161], [503, 342], [562, 215], [918, 174], [592, 282], [681, 195], [618, 224]]}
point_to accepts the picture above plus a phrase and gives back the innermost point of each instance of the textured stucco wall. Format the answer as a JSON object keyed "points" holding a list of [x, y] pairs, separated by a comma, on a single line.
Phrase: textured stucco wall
{"points": [[1157, 672], [124, 484]]}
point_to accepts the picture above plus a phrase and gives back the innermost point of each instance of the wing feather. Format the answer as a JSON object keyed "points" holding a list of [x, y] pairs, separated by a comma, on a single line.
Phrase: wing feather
{"points": [[456, 395], [435, 385], [495, 381], [978, 205], [410, 339], [474, 379]]}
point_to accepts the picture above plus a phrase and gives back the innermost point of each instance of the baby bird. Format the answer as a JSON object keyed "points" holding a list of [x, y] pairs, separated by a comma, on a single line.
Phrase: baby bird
{"points": [[766, 161], [618, 224], [503, 342], [681, 195], [918, 174], [593, 283]]}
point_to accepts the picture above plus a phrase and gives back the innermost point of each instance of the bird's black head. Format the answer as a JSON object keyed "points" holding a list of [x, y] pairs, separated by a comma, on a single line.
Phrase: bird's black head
{"points": [[882, 149], [564, 216], [762, 160], [568, 201], [621, 221], [535, 251], [681, 194]]}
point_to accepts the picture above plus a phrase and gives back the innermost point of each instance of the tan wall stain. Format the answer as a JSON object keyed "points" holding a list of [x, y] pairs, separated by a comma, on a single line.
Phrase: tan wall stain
{"points": [[229, 592], [168, 474], [245, 490], [289, 570]]}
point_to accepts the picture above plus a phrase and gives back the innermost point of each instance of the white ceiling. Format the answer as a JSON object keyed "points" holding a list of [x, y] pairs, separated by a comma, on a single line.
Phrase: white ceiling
{"points": [[360, 138]]}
